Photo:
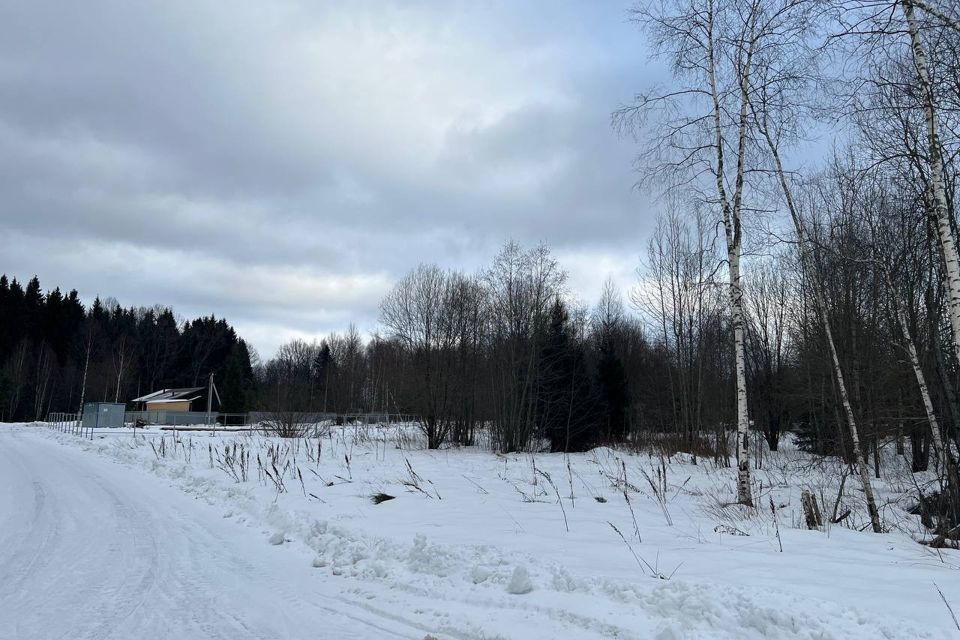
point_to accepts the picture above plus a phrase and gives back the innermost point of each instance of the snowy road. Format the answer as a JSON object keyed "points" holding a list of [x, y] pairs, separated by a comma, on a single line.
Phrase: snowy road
{"points": [[92, 551]]}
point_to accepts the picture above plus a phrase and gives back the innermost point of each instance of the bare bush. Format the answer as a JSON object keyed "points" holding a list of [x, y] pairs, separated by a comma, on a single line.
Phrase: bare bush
{"points": [[290, 424]]}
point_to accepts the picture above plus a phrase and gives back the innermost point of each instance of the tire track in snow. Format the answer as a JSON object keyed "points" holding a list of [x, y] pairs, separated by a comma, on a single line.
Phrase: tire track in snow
{"points": [[40, 539], [129, 595]]}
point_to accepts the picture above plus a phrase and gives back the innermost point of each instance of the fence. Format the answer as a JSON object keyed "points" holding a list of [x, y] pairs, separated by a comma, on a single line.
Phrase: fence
{"points": [[66, 422], [184, 418], [81, 424], [357, 417], [73, 423]]}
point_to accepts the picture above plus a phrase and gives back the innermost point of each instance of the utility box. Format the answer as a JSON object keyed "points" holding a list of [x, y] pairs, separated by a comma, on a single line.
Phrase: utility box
{"points": [[103, 415]]}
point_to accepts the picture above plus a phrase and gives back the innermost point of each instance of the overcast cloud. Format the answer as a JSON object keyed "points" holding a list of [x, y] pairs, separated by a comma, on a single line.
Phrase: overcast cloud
{"points": [[282, 163]]}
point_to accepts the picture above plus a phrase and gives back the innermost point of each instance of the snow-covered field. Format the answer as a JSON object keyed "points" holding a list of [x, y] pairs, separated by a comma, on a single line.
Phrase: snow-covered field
{"points": [[169, 535]]}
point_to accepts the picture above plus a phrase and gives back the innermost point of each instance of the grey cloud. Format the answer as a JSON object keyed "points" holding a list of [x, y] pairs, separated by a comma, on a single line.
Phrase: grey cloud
{"points": [[218, 147]]}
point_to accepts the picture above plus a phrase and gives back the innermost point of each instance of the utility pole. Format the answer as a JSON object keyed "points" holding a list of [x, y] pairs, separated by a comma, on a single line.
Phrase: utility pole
{"points": [[210, 397], [211, 392]]}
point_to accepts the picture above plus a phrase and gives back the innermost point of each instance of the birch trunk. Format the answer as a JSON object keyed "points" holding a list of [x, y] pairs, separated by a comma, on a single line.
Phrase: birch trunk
{"points": [[941, 449], [19, 359], [733, 228], [743, 418], [953, 23], [820, 304], [938, 188], [936, 438], [852, 423]]}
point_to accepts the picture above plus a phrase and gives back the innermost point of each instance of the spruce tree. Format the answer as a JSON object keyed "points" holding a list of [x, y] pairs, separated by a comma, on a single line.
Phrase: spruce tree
{"points": [[234, 393], [323, 373], [565, 401], [612, 392]]}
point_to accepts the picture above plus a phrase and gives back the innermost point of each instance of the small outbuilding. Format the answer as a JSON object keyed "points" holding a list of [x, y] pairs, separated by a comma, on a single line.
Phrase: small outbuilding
{"points": [[187, 399]]}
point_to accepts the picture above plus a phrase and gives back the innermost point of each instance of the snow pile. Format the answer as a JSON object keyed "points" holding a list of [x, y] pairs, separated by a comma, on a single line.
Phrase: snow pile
{"points": [[520, 582]]}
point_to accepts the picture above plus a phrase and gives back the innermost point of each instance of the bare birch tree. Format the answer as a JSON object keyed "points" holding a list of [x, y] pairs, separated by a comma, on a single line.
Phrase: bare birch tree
{"points": [[821, 309], [782, 74], [874, 21], [948, 244], [705, 127]]}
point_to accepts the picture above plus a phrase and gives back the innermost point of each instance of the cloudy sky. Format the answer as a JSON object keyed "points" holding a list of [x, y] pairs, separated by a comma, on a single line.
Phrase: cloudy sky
{"points": [[281, 163]]}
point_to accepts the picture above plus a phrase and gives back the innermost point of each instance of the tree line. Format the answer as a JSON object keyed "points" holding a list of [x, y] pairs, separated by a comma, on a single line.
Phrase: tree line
{"points": [[504, 351], [56, 353]]}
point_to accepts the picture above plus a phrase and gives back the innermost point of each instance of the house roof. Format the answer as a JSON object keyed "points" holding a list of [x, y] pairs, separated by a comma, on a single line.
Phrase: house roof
{"points": [[172, 395]]}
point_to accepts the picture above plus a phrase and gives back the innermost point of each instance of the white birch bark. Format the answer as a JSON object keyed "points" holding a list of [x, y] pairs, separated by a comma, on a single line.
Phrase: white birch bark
{"points": [[733, 228], [744, 494], [852, 422], [820, 304], [940, 448], [953, 23], [935, 436], [938, 189]]}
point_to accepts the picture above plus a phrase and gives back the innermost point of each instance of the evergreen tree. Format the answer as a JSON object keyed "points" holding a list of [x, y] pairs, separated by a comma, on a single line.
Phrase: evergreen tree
{"points": [[613, 398], [324, 369], [235, 381], [33, 301], [565, 401]]}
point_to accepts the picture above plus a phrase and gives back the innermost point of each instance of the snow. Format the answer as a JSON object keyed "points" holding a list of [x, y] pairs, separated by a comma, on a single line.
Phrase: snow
{"points": [[520, 582], [154, 537]]}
